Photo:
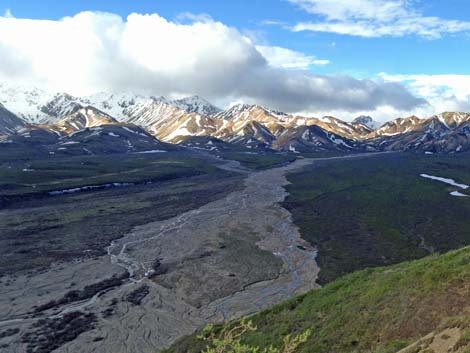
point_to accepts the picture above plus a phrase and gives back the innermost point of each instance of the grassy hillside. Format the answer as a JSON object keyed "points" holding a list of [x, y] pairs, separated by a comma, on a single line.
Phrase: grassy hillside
{"points": [[379, 310], [379, 211]]}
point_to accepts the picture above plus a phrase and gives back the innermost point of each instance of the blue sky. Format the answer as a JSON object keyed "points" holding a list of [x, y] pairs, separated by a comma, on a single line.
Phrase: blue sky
{"points": [[361, 39], [350, 55]]}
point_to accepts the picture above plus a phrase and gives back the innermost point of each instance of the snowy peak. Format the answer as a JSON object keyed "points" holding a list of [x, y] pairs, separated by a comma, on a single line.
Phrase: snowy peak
{"points": [[60, 106], [115, 104], [367, 121], [38, 106], [245, 112], [196, 104], [24, 102]]}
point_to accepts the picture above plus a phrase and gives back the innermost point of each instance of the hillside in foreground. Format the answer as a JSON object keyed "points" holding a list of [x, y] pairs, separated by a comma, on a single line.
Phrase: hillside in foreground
{"points": [[382, 310]]}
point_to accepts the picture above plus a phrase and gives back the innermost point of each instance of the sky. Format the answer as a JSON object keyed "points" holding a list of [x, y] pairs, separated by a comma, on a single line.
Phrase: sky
{"points": [[384, 58]]}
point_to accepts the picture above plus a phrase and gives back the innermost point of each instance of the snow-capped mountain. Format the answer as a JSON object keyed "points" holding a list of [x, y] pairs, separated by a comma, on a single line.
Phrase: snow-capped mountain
{"points": [[367, 121], [196, 104], [38, 106], [244, 112], [242, 124], [60, 106], [9, 122], [25, 102]]}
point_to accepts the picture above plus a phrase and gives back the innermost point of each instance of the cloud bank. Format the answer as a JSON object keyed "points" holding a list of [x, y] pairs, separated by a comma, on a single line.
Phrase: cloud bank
{"points": [[375, 18], [444, 92], [92, 52]]}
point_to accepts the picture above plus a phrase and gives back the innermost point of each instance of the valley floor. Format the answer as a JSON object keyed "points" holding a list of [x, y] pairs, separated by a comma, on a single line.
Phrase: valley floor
{"points": [[226, 248], [231, 257]]}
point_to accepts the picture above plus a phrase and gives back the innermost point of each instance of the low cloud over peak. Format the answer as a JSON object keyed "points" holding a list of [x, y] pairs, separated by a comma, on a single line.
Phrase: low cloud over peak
{"points": [[93, 51]]}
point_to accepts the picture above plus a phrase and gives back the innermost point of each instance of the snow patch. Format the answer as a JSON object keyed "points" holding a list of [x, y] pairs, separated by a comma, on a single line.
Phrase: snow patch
{"points": [[445, 180], [88, 187], [292, 149], [458, 194], [450, 182], [152, 151]]}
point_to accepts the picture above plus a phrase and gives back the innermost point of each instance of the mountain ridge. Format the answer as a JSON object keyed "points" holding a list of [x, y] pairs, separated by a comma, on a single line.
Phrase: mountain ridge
{"points": [[246, 124]]}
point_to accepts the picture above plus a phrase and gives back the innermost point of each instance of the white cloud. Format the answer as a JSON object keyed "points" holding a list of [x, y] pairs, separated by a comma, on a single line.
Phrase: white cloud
{"points": [[191, 17], [287, 58], [375, 18], [444, 92], [91, 51], [8, 14]]}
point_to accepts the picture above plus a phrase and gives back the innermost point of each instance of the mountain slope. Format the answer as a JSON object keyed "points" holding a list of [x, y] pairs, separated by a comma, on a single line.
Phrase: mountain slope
{"points": [[339, 127], [103, 139], [82, 118], [398, 126], [312, 138], [110, 139], [375, 310], [182, 124], [9, 122], [444, 133]]}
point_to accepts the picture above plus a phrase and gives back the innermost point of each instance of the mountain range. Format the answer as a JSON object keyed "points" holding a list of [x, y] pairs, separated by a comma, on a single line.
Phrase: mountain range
{"points": [[23, 110]]}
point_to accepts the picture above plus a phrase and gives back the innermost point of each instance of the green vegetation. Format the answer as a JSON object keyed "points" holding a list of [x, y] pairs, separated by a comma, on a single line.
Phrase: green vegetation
{"points": [[258, 161], [379, 310], [58, 173], [378, 211], [323, 154]]}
